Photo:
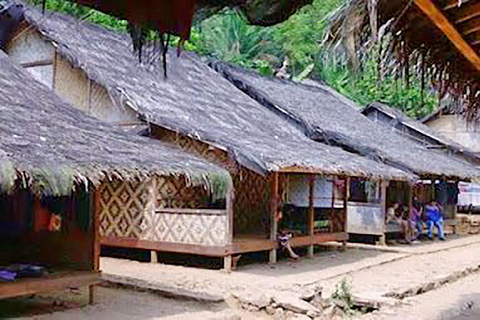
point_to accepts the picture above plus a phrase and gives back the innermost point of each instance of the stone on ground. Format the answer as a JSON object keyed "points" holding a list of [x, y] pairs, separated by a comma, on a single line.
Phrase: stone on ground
{"points": [[288, 301]]}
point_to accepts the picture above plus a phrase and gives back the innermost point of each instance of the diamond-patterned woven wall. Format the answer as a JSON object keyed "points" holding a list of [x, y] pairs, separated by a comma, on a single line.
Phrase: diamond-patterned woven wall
{"points": [[129, 211], [124, 204], [251, 189]]}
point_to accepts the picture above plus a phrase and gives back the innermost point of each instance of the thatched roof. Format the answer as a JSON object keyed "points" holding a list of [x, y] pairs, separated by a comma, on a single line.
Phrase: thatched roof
{"points": [[196, 101], [438, 37], [422, 133], [48, 144], [325, 117]]}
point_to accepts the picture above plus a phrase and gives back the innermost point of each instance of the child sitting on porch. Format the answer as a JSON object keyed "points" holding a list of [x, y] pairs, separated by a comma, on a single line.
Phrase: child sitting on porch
{"points": [[434, 218]]}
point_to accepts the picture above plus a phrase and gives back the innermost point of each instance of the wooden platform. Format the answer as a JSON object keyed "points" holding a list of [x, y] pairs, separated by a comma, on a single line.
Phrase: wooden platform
{"points": [[54, 282], [243, 244]]}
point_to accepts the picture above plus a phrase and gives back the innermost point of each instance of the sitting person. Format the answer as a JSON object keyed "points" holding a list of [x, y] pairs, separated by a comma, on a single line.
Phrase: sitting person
{"points": [[397, 216], [416, 221], [434, 218], [284, 240]]}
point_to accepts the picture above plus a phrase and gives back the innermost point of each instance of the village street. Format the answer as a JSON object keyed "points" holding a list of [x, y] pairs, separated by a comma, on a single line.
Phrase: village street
{"points": [[431, 281]]}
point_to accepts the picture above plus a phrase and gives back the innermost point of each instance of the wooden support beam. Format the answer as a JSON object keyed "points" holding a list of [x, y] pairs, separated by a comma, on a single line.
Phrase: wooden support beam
{"points": [[453, 4], [311, 212], [153, 256], [469, 26], [383, 199], [273, 216], [37, 63], [230, 214], [473, 38], [466, 12], [227, 263], [449, 30], [50, 283], [346, 191], [97, 210], [200, 212]]}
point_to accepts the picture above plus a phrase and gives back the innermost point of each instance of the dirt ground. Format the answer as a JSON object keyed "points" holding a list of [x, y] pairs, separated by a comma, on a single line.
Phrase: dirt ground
{"points": [[111, 303], [433, 281], [459, 300]]}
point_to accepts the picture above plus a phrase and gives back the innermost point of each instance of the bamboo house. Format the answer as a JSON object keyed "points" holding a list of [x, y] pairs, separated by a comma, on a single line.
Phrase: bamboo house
{"points": [[196, 109], [57, 166], [325, 116]]}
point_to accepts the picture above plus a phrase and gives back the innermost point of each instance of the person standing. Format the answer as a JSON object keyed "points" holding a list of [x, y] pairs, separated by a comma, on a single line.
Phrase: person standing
{"points": [[434, 219]]}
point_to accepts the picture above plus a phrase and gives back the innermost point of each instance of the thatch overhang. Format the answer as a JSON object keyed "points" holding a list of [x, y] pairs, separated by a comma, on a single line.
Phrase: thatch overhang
{"points": [[197, 102], [48, 145], [440, 37], [325, 117], [406, 125]]}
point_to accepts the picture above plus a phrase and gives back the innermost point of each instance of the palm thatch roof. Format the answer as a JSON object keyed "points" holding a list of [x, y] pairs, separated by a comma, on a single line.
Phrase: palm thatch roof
{"points": [[50, 146], [418, 131], [327, 118], [197, 102], [437, 38]]}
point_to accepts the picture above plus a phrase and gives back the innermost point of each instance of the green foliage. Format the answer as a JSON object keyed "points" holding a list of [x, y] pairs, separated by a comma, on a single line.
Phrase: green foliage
{"points": [[228, 37], [83, 13], [342, 296]]}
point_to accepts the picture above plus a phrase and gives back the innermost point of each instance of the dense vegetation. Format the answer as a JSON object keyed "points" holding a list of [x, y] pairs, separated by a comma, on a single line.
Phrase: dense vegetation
{"points": [[296, 47]]}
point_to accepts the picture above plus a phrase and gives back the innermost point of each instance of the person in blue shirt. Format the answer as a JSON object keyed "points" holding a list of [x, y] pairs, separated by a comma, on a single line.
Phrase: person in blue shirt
{"points": [[434, 219]]}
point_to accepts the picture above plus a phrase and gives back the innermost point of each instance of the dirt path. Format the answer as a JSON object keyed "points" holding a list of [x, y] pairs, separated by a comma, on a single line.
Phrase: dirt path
{"points": [[114, 303], [415, 271], [459, 300]]}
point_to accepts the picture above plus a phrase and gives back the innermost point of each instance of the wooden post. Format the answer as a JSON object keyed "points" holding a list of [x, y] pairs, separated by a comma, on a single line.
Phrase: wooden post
{"points": [[96, 209], [332, 206], [311, 213], [383, 199], [153, 256], [96, 229], [227, 260], [346, 195], [227, 263], [273, 216]]}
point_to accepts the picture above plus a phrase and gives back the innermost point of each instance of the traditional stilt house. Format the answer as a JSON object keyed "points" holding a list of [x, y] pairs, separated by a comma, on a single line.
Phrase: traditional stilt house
{"points": [[466, 196], [57, 166], [327, 117], [274, 166]]}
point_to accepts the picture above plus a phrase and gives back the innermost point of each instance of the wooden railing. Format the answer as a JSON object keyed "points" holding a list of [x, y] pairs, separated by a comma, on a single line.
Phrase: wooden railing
{"points": [[204, 212]]}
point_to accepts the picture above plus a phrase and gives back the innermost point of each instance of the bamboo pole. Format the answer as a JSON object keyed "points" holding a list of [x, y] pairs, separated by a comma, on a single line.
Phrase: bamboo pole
{"points": [[273, 216], [311, 213]]}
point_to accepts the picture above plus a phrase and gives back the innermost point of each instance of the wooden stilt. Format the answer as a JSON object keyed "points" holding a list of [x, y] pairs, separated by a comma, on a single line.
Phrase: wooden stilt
{"points": [[91, 294], [153, 256], [383, 199], [346, 195], [311, 213], [227, 263], [273, 216], [97, 209]]}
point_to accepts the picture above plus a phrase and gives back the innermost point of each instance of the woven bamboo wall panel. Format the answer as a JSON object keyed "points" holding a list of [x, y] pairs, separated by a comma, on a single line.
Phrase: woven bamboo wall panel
{"points": [[102, 106], [251, 189], [71, 84], [209, 230], [252, 195], [175, 193], [124, 205], [129, 211], [29, 46], [212, 154]]}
